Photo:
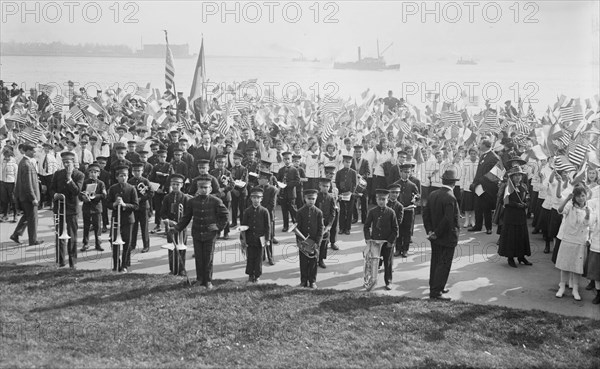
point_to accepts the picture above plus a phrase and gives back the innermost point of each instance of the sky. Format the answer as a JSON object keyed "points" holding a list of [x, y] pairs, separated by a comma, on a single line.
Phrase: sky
{"points": [[564, 31]]}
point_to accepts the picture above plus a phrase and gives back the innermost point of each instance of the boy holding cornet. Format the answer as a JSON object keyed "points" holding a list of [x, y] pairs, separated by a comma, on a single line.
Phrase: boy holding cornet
{"points": [[170, 212], [92, 205]]}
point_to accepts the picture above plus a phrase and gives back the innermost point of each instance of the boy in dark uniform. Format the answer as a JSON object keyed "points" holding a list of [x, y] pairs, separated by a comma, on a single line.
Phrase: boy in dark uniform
{"points": [[92, 206], [170, 214], [397, 207], [147, 169], [104, 176], [125, 195], [142, 213], [257, 218], [361, 166], [131, 155], [269, 199], [179, 166], [153, 159], [67, 182], [186, 157], [203, 165], [330, 173], [288, 175], [296, 163], [310, 223], [160, 174], [326, 203], [118, 162], [408, 194], [210, 216], [345, 181], [382, 224], [223, 176], [238, 195]]}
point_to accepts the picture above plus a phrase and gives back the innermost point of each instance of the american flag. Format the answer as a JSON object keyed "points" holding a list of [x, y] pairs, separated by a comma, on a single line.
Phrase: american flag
{"points": [[31, 135], [451, 117], [328, 128], [562, 163], [332, 108], [223, 127], [577, 153], [570, 113], [47, 89], [169, 67], [75, 112], [185, 124], [563, 137], [240, 104], [405, 127], [490, 122], [18, 119], [522, 127]]}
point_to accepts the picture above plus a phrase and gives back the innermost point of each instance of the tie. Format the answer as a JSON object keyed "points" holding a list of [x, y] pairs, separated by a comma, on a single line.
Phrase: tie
{"points": [[45, 164], [279, 159]]}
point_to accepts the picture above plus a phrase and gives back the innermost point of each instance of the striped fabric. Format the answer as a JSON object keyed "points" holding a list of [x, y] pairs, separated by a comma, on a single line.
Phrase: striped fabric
{"points": [[562, 163], [577, 153], [328, 129], [169, 68], [450, 117]]}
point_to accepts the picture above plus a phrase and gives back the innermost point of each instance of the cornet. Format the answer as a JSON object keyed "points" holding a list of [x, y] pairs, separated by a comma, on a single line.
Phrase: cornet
{"points": [[177, 244], [63, 235], [307, 246], [142, 188]]}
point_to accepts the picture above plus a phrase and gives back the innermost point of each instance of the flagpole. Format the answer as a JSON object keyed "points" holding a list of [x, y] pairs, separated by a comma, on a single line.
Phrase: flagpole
{"points": [[173, 80]]}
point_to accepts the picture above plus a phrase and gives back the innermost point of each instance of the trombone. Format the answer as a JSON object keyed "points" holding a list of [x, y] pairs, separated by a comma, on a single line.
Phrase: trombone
{"points": [[117, 240], [61, 210], [177, 244]]}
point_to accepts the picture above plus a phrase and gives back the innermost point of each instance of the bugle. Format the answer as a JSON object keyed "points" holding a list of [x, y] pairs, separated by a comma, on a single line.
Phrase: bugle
{"points": [[116, 239], [372, 254], [307, 246]]}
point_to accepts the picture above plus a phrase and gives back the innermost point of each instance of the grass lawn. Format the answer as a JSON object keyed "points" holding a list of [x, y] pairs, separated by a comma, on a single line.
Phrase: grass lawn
{"points": [[82, 318]]}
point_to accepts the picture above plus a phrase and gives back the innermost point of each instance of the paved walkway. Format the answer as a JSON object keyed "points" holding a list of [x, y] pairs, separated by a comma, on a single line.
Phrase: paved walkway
{"points": [[478, 275]]}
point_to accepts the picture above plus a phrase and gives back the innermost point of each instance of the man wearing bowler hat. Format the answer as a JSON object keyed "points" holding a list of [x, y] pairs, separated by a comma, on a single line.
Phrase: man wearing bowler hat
{"points": [[440, 218]]}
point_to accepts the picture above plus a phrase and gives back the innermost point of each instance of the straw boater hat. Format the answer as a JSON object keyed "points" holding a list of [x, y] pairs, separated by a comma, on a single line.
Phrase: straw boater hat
{"points": [[514, 166]]}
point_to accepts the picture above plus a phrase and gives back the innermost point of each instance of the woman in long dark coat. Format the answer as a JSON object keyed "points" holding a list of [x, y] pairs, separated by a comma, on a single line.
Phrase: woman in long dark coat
{"points": [[514, 235]]}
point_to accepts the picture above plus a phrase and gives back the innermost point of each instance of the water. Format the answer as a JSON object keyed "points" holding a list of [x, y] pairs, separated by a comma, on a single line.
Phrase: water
{"points": [[541, 83]]}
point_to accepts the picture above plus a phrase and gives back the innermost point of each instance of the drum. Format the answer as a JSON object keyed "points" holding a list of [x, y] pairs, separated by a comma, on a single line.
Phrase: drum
{"points": [[346, 196], [239, 184]]}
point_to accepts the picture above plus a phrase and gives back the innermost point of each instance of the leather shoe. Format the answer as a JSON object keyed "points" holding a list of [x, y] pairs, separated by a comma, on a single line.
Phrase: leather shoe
{"points": [[322, 264], [275, 241], [590, 286], [313, 286], [99, 248], [15, 238], [388, 287], [445, 290], [473, 229], [334, 246], [284, 229], [439, 297], [271, 262], [84, 248], [403, 254], [36, 243], [145, 250], [488, 231]]}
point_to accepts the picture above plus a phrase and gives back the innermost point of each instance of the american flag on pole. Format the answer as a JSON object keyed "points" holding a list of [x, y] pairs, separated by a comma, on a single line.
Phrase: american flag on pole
{"points": [[223, 127], [169, 67], [75, 112], [562, 163], [32, 135], [331, 108], [328, 128], [405, 127], [451, 117], [490, 122], [47, 89], [577, 153]]}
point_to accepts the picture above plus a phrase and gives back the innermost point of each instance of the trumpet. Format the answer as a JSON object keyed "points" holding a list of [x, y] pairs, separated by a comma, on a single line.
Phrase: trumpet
{"points": [[61, 210], [177, 244], [307, 246], [142, 188]]}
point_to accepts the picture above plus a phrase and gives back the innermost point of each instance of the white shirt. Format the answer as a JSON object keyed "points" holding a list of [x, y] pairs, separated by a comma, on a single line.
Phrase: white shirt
{"points": [[434, 171], [469, 168], [370, 157], [313, 168], [381, 158], [51, 161], [574, 227]]}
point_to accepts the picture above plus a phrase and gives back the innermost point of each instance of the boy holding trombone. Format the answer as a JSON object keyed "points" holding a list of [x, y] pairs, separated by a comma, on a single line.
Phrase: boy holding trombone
{"points": [[171, 212], [66, 186], [122, 199]]}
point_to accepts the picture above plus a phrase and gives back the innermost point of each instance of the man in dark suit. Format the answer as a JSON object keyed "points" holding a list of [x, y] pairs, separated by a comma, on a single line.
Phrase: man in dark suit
{"points": [[27, 196], [382, 224], [209, 218], [310, 224], [486, 202], [361, 166], [68, 183], [181, 106], [238, 194], [246, 143], [440, 218], [204, 151]]}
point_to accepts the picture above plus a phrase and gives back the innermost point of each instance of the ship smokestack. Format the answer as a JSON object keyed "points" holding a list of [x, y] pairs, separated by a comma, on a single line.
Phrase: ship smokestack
{"points": [[359, 53]]}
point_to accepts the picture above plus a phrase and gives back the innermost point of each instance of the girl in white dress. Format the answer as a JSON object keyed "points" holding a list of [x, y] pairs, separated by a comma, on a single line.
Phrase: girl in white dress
{"points": [[573, 233]]}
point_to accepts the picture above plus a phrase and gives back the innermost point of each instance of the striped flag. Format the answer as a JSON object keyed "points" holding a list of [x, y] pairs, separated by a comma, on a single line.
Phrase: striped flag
{"points": [[450, 117], [562, 163], [47, 89], [75, 112], [169, 67], [223, 127], [31, 134], [490, 122], [522, 127], [328, 128], [577, 153], [333, 108], [17, 119], [405, 127], [58, 101]]}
